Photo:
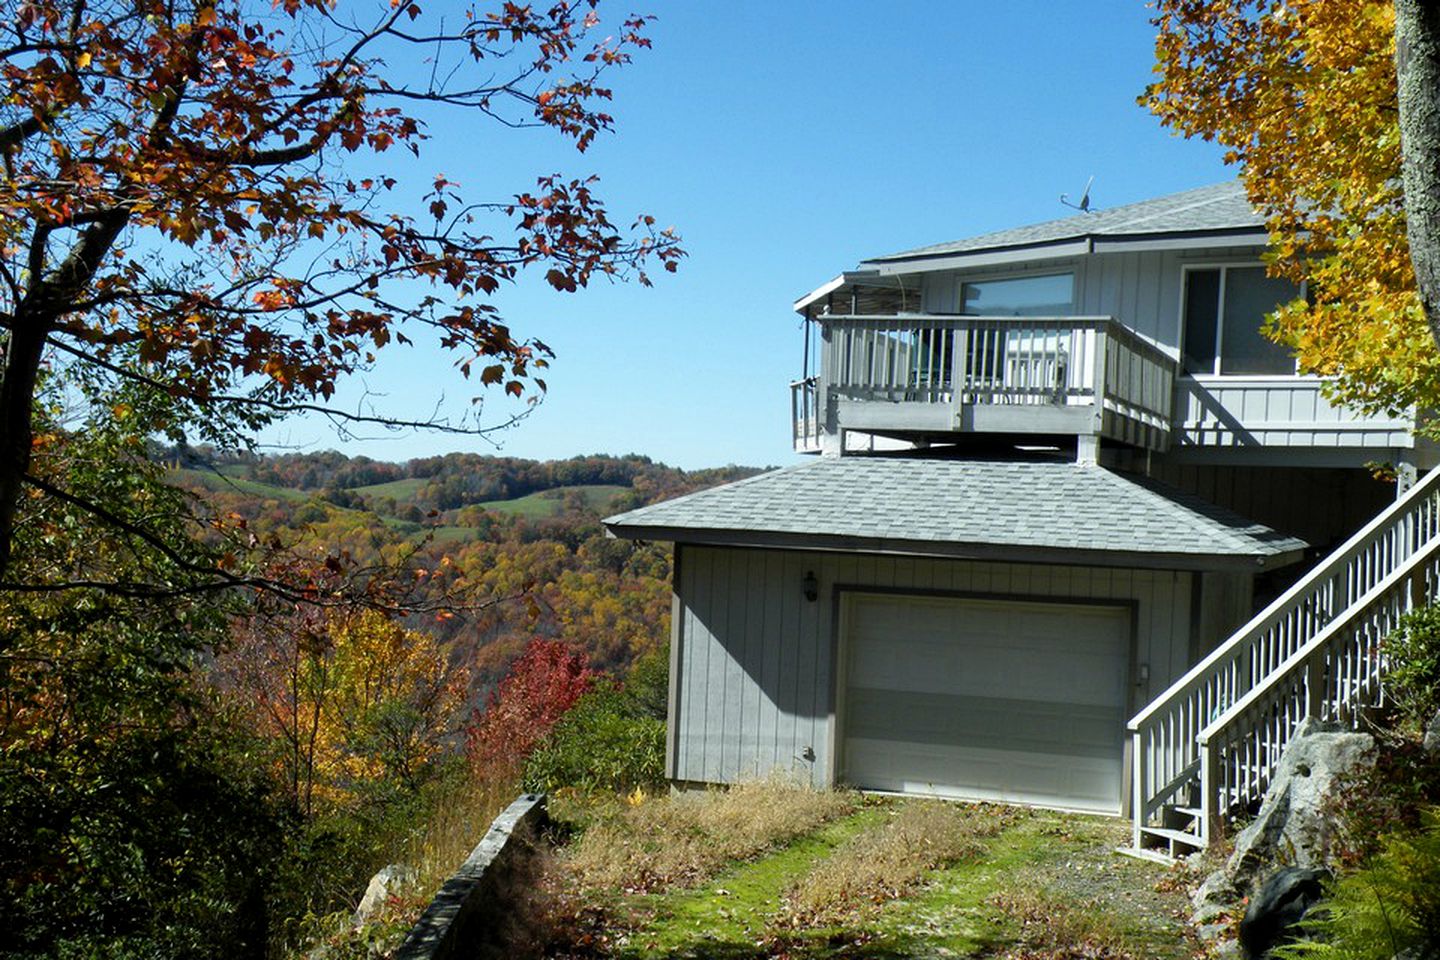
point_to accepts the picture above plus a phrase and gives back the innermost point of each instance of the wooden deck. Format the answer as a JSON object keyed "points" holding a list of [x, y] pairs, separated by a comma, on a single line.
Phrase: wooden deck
{"points": [[923, 375]]}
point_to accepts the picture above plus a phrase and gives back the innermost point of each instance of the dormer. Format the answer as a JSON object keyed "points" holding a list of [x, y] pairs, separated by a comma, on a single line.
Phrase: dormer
{"points": [[1133, 331]]}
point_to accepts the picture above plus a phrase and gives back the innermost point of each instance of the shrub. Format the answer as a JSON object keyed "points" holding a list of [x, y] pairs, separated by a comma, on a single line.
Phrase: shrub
{"points": [[648, 684], [1412, 681], [541, 686], [1382, 799], [1389, 905], [605, 742]]}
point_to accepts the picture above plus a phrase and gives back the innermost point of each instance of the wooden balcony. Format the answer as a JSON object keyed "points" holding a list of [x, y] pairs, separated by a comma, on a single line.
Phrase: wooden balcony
{"points": [[923, 376]]}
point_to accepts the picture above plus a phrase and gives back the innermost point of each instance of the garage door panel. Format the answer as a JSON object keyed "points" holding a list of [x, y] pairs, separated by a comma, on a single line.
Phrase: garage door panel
{"points": [[992, 722], [927, 769], [1026, 667], [1001, 700]]}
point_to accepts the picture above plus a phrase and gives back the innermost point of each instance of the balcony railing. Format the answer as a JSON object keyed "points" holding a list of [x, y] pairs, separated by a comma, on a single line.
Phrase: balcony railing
{"points": [[806, 425], [925, 373]]}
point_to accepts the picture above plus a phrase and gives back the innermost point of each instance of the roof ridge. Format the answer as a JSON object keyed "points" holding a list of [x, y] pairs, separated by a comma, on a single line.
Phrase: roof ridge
{"points": [[1169, 211], [994, 503], [722, 486], [1112, 221]]}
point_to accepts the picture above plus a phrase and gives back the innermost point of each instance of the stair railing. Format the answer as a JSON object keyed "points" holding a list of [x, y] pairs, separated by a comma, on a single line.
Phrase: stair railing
{"points": [[1336, 676], [1165, 736]]}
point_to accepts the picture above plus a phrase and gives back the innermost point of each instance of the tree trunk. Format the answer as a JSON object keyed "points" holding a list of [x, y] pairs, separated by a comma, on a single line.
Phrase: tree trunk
{"points": [[48, 300], [18, 376], [1417, 68]]}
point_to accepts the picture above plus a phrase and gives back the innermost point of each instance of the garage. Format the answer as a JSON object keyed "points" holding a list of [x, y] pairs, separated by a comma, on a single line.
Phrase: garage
{"points": [[1019, 701]]}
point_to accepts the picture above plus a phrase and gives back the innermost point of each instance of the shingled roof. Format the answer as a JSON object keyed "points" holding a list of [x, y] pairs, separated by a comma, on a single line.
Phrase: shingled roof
{"points": [[1035, 511], [1222, 208]]}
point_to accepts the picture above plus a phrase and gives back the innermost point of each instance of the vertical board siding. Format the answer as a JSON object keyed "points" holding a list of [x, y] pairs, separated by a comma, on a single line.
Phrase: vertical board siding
{"points": [[1142, 289], [1322, 506], [1276, 412], [758, 660]]}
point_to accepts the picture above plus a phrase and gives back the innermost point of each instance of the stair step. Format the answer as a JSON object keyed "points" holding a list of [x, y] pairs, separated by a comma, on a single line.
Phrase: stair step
{"points": [[1174, 836], [1191, 812], [1152, 856]]}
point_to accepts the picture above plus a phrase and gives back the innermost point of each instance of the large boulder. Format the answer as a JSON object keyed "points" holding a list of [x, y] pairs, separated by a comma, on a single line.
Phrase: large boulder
{"points": [[1277, 908], [1432, 735], [388, 882], [1293, 827]]}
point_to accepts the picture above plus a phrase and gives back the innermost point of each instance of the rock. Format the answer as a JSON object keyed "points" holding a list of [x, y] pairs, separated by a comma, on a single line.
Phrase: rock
{"points": [[1432, 735], [1226, 950], [1425, 951], [1278, 906], [1292, 827], [390, 881], [1215, 898], [1211, 932]]}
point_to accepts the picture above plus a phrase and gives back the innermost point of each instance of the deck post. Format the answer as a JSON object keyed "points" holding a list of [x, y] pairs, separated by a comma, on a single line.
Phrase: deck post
{"points": [[1137, 786], [1209, 792], [1406, 475], [1101, 367]]}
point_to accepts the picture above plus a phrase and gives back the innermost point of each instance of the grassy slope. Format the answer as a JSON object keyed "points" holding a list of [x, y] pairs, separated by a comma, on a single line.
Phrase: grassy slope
{"points": [[224, 481], [547, 503]]}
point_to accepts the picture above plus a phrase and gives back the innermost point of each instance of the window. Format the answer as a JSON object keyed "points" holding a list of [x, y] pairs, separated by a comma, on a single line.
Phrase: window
{"points": [[1224, 310], [1048, 296]]}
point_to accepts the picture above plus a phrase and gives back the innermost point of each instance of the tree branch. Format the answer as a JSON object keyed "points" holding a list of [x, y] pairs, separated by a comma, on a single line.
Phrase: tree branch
{"points": [[278, 406]]}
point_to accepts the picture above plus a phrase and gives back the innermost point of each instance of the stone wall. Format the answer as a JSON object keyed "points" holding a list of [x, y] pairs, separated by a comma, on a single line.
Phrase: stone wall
{"points": [[474, 913]]}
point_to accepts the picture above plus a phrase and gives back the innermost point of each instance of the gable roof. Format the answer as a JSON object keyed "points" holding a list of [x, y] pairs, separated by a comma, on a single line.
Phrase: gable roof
{"points": [[1222, 208], [1026, 511]]}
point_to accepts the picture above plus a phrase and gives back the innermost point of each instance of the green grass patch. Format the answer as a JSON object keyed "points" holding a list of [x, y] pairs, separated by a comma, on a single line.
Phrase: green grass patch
{"points": [[225, 483], [549, 503], [731, 915], [1043, 885], [448, 535]]}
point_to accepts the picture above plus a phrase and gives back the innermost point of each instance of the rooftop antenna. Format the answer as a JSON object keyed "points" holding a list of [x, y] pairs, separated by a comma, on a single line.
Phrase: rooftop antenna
{"points": [[1084, 205]]}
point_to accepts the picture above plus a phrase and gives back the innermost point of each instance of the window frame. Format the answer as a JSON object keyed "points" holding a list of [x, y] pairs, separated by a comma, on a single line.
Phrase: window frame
{"points": [[1224, 266]]}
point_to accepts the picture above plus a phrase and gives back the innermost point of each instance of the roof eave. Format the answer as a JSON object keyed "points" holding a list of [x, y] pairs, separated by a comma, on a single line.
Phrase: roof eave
{"points": [[830, 286], [1239, 562]]}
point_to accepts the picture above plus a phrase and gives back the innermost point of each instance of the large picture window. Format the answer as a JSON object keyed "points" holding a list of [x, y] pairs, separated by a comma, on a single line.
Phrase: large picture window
{"points": [[1225, 308], [1048, 296]]}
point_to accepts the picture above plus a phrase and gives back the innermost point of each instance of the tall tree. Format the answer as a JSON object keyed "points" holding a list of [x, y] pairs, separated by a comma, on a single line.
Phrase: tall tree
{"points": [[175, 205], [1417, 68], [1303, 95]]}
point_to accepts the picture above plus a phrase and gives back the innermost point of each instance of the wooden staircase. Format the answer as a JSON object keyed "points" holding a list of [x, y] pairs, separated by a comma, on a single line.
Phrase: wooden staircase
{"points": [[1205, 748]]}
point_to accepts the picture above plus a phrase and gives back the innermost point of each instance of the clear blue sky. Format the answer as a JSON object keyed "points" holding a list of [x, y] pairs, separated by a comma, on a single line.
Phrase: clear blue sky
{"points": [[786, 141]]}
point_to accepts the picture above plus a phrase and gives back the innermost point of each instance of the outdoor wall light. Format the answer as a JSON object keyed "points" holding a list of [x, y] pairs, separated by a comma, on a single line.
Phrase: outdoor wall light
{"points": [[812, 586]]}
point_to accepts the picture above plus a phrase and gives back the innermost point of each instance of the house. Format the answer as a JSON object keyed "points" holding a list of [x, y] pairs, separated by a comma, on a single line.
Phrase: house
{"points": [[1070, 524]]}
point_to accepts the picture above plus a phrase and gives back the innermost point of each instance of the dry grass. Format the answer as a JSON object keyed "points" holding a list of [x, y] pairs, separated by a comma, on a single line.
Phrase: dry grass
{"points": [[884, 864], [1051, 928], [681, 839], [461, 816]]}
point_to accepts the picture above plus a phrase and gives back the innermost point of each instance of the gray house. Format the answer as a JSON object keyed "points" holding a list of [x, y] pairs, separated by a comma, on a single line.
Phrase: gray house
{"points": [[1057, 472]]}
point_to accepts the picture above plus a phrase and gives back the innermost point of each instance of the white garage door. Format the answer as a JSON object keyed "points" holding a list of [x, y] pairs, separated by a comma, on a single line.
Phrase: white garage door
{"points": [[986, 700]]}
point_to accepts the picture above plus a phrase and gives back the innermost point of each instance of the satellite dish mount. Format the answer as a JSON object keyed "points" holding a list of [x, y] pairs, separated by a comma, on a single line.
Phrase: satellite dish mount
{"points": [[1084, 205]]}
